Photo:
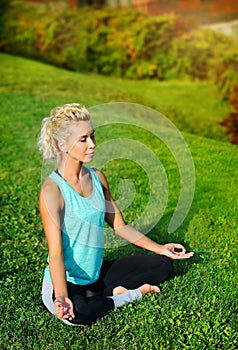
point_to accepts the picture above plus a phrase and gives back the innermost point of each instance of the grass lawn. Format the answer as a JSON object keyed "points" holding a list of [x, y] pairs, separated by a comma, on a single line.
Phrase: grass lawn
{"points": [[197, 308]]}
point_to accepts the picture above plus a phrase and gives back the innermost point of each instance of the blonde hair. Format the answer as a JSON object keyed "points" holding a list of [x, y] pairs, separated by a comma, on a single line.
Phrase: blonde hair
{"points": [[56, 128]]}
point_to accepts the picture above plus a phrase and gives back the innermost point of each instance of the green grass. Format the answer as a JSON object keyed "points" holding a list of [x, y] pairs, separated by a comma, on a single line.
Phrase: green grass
{"points": [[196, 309], [193, 107]]}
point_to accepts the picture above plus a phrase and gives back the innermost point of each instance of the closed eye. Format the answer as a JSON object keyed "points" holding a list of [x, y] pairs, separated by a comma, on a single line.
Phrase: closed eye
{"points": [[84, 138]]}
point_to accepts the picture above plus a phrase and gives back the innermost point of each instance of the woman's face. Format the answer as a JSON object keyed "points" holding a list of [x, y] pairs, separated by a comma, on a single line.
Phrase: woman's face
{"points": [[81, 143]]}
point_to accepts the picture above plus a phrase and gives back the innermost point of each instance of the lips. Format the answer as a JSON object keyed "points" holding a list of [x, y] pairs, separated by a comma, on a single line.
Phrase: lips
{"points": [[90, 154]]}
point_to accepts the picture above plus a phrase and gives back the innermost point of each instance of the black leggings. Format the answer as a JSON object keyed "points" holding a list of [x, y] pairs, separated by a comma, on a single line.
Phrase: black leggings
{"points": [[130, 272]]}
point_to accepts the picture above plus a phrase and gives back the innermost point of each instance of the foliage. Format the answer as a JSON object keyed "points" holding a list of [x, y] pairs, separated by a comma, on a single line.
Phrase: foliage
{"points": [[123, 43], [192, 106], [4, 5], [197, 309], [225, 74], [152, 45], [231, 121], [119, 42], [226, 79], [195, 53]]}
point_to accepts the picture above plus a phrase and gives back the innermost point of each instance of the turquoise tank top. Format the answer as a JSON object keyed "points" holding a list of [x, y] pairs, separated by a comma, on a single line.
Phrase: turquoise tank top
{"points": [[82, 231]]}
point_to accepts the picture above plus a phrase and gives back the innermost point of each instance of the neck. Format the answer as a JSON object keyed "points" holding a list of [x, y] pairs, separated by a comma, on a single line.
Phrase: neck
{"points": [[70, 168]]}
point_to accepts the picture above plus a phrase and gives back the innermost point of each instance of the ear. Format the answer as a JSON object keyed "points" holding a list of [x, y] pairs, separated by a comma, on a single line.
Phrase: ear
{"points": [[62, 147]]}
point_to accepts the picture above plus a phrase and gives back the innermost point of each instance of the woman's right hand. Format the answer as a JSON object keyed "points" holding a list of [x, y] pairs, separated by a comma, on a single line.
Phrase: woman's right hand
{"points": [[64, 308]]}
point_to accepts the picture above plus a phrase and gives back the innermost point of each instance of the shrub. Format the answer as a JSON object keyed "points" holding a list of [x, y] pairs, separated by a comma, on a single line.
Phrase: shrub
{"points": [[118, 42], [121, 42], [194, 53], [225, 73], [153, 43], [231, 121], [226, 81], [4, 5]]}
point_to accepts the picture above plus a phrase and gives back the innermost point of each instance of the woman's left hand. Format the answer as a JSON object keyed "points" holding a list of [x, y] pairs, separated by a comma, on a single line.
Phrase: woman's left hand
{"points": [[64, 308], [180, 252]]}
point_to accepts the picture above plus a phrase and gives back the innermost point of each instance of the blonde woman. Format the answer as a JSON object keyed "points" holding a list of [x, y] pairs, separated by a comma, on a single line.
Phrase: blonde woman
{"points": [[79, 286]]}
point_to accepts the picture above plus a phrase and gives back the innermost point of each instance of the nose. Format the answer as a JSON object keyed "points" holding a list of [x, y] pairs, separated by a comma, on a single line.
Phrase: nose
{"points": [[91, 142]]}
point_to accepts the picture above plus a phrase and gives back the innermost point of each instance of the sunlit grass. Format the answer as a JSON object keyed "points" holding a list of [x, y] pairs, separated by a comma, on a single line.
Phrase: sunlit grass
{"points": [[197, 308]]}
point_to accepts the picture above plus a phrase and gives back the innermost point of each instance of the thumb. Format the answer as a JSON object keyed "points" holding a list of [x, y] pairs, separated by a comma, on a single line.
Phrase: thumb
{"points": [[59, 310]]}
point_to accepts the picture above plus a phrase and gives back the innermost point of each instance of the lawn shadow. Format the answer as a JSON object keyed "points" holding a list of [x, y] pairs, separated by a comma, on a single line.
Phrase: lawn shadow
{"points": [[160, 234]]}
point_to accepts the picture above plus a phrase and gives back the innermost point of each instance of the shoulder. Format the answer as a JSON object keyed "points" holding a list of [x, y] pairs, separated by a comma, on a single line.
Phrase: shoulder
{"points": [[50, 192], [50, 187], [102, 178]]}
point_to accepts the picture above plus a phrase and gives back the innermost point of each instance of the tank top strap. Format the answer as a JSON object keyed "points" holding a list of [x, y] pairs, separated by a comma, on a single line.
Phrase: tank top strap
{"points": [[65, 187], [95, 179]]}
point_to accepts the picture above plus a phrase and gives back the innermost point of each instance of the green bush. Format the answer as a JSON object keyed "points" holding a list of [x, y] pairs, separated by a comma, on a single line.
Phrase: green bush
{"points": [[153, 43], [195, 53], [225, 75], [4, 6], [119, 42], [231, 121], [226, 79]]}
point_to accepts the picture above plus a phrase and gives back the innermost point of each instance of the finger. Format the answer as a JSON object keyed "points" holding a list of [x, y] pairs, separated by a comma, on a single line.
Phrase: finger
{"points": [[71, 312], [180, 246], [68, 313], [65, 314], [59, 311], [68, 316], [186, 256], [72, 315]]}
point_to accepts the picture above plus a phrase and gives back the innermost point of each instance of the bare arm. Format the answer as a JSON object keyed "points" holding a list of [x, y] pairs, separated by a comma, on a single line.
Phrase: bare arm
{"points": [[51, 204], [115, 219]]}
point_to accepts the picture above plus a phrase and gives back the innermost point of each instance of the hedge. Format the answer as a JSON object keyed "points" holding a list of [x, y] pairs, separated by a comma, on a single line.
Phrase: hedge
{"points": [[123, 43], [118, 42]]}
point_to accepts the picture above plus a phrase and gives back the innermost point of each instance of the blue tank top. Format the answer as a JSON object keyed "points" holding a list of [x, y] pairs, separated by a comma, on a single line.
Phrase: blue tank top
{"points": [[82, 231]]}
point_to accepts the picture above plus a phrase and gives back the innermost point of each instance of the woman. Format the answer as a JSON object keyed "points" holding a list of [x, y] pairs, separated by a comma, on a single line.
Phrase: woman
{"points": [[79, 286]]}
